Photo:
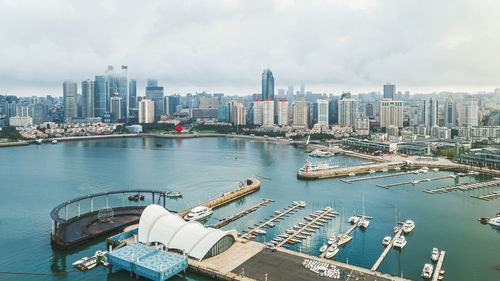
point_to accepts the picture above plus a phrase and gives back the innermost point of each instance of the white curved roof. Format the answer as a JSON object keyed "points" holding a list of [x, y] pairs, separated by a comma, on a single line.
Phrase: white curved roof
{"points": [[159, 225]]}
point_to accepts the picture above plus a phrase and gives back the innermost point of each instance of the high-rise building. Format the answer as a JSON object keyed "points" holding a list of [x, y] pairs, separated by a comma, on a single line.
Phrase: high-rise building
{"points": [[431, 112], [133, 104], [323, 112], [283, 115], [172, 102], [391, 113], [416, 115], [237, 113], [101, 97], [267, 85], [116, 103], [345, 95], [223, 112], [258, 112], [70, 99], [470, 111], [333, 106], [348, 111], [268, 112], [118, 82], [390, 91], [289, 92], [369, 110], [146, 111], [302, 90], [301, 113], [362, 126], [88, 98], [450, 112], [40, 112], [155, 93]]}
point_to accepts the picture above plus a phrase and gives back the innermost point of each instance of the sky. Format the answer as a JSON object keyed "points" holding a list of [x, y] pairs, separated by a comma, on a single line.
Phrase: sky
{"points": [[223, 46]]}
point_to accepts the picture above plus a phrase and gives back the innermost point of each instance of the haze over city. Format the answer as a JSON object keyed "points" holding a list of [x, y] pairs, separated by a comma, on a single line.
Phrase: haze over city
{"points": [[223, 46]]}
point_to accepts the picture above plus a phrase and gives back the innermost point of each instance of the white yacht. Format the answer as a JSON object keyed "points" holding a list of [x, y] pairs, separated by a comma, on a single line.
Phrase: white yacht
{"points": [[415, 182], [495, 221], [260, 231], [323, 248], [384, 170], [38, 141], [397, 168], [270, 224], [354, 219], [371, 172], [427, 271], [54, 141], [198, 213], [400, 242], [343, 239], [435, 170], [332, 252], [300, 203], [435, 254], [312, 167], [331, 241], [351, 174], [408, 226], [363, 223], [386, 240]]}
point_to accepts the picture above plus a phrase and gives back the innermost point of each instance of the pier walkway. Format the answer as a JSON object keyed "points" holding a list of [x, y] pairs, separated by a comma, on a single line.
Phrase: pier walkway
{"points": [[348, 170], [351, 229], [486, 197], [378, 177], [438, 266], [295, 233], [271, 220], [410, 182], [238, 215], [386, 250], [465, 187]]}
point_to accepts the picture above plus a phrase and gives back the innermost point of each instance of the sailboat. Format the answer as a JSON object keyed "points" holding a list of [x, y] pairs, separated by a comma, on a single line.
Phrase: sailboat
{"points": [[363, 222], [342, 238]]}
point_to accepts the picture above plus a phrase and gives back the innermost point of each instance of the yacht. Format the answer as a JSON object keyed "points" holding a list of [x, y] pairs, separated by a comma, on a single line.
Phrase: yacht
{"points": [[435, 254], [260, 231], [386, 240], [332, 252], [495, 221], [396, 229], [363, 223], [408, 226], [321, 153], [435, 170], [198, 213], [453, 176], [38, 141], [397, 168], [384, 170], [343, 239], [172, 194], [312, 167], [400, 242], [371, 172], [351, 174], [323, 248], [354, 219], [270, 224], [277, 212], [427, 271]]}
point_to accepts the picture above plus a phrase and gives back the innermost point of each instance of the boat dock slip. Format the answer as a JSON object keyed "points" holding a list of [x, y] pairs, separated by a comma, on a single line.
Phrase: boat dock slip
{"points": [[386, 250], [325, 212], [410, 182], [232, 218], [465, 187], [252, 185], [271, 220], [438, 266], [378, 177], [345, 171]]}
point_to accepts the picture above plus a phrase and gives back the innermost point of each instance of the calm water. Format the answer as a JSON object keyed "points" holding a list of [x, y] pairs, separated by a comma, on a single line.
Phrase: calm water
{"points": [[34, 179]]}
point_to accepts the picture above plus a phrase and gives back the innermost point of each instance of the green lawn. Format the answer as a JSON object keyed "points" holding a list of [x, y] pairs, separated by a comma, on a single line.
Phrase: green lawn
{"points": [[208, 132]]}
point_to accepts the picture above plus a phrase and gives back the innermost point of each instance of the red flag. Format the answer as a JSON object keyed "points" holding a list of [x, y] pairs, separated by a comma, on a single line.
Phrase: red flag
{"points": [[179, 128]]}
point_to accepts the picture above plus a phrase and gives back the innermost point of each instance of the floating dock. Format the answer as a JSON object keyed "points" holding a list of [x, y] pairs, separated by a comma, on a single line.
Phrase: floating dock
{"points": [[252, 185], [465, 187], [410, 182], [241, 214], [386, 250], [378, 177], [271, 220], [438, 266]]}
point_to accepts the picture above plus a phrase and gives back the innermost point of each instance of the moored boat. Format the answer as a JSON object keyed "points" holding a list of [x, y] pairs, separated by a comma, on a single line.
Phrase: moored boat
{"points": [[400, 242], [408, 226], [435, 255], [427, 271], [198, 213], [386, 240], [332, 252]]}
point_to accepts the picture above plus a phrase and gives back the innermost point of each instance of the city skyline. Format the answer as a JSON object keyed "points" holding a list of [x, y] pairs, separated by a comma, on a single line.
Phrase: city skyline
{"points": [[353, 47]]}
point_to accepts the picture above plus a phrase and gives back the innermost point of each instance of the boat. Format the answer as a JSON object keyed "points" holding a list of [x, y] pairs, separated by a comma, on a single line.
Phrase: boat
{"points": [[397, 168], [396, 229], [88, 263], [331, 241], [351, 174], [415, 182], [300, 203], [78, 262], [313, 167], [371, 172], [363, 223], [354, 219], [435, 170], [332, 252], [427, 271], [277, 212], [400, 242], [495, 221], [321, 153], [343, 239], [323, 248], [38, 141], [260, 231], [198, 213], [308, 219], [408, 226], [442, 272], [269, 245], [453, 176], [136, 197], [54, 141], [386, 240], [384, 170], [171, 194], [435, 255], [461, 174]]}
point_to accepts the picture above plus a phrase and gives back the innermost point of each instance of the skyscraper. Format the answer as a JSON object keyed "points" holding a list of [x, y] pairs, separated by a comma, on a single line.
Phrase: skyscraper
{"points": [[431, 112], [118, 82], [70, 99], [237, 113], [133, 105], [222, 112], [39, 113], [116, 103], [268, 112], [323, 112], [301, 113], [470, 112], [391, 113], [146, 111], [155, 93], [172, 102], [390, 91], [101, 98], [258, 108], [345, 95], [348, 111], [450, 112], [87, 98], [289, 92], [283, 115], [369, 110], [267, 85]]}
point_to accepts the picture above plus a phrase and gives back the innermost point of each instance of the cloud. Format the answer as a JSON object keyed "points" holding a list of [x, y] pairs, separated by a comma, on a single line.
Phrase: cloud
{"points": [[224, 45]]}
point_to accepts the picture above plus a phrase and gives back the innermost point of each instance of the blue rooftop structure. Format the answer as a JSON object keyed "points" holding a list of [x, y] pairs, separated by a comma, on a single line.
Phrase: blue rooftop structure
{"points": [[147, 262]]}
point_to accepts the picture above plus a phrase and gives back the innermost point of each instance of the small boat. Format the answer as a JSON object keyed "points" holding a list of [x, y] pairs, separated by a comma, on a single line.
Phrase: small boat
{"points": [[396, 229], [351, 174], [54, 141], [440, 277], [87, 264], [435, 170], [300, 203], [277, 212], [442, 272], [384, 170], [78, 262], [435, 255], [363, 223], [415, 181], [136, 197], [343, 239], [453, 176], [397, 168], [386, 240], [371, 172], [408, 226], [427, 271], [323, 248], [400, 242], [171, 194], [331, 241], [269, 245], [260, 231], [354, 219], [332, 252], [308, 219], [290, 242], [38, 141]]}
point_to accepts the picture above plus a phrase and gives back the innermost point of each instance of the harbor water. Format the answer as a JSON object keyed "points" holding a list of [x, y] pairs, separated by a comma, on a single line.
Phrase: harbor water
{"points": [[36, 178]]}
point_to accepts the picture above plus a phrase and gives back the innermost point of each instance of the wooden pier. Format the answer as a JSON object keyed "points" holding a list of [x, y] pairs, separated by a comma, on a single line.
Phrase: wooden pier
{"points": [[241, 214], [295, 233], [351, 229], [378, 177], [409, 182], [438, 266], [386, 250], [465, 187], [253, 185], [271, 220]]}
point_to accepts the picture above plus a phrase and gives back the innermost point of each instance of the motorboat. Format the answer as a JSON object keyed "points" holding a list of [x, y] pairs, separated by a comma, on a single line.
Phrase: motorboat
{"points": [[453, 176], [172, 194], [343, 239], [386, 240], [351, 174], [415, 182], [427, 271], [260, 231], [408, 226], [461, 174], [331, 241], [397, 169], [400, 242], [495, 221], [308, 219], [435, 170], [80, 261], [363, 223], [332, 252], [312, 167], [300, 203], [136, 197], [323, 248], [396, 229], [277, 212], [384, 170], [198, 213], [354, 219], [435, 254], [371, 172], [38, 141], [54, 141]]}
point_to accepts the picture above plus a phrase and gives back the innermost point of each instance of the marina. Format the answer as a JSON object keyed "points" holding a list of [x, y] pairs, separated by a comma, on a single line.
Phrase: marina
{"points": [[386, 250], [439, 264], [332, 172], [412, 182], [377, 177], [225, 221], [465, 187]]}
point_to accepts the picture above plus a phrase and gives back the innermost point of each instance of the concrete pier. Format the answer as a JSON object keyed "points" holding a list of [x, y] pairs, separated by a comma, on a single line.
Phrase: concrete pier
{"points": [[378, 177], [242, 213], [345, 171], [438, 266], [464, 187]]}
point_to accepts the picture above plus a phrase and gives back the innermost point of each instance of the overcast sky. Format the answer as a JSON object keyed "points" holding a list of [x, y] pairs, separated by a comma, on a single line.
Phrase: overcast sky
{"points": [[223, 46]]}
